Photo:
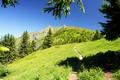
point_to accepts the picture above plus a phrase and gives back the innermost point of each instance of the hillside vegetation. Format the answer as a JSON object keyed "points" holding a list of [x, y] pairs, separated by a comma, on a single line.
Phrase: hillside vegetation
{"points": [[32, 41], [46, 64], [72, 34], [64, 35]]}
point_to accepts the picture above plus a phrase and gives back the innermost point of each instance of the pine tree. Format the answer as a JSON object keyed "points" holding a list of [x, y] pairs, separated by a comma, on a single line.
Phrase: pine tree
{"points": [[97, 35], [47, 40], [9, 42], [34, 46], [57, 7], [25, 45], [111, 11]]}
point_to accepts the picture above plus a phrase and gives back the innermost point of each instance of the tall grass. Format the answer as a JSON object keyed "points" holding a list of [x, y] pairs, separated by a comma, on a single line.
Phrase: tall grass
{"points": [[116, 75], [3, 71], [92, 74]]}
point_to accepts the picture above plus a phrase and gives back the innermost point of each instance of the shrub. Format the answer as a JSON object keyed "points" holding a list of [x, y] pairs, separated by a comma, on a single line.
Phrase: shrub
{"points": [[91, 74], [37, 77], [116, 75], [3, 71]]}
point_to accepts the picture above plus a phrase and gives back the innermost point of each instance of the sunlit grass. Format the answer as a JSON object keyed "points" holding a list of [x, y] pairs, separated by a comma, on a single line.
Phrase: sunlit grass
{"points": [[42, 64]]}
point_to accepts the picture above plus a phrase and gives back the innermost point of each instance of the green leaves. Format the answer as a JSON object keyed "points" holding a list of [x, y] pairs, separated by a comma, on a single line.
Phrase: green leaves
{"points": [[58, 8], [81, 5], [61, 8], [6, 3]]}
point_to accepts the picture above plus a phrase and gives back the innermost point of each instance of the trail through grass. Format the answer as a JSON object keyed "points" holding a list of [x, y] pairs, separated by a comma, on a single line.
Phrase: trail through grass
{"points": [[43, 64]]}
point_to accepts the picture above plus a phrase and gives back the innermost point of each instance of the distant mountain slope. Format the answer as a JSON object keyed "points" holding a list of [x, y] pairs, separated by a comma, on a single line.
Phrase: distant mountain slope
{"points": [[39, 36], [72, 35], [43, 64], [64, 35]]}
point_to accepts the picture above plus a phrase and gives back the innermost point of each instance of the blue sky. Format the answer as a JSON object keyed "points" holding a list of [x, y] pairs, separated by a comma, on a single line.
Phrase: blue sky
{"points": [[28, 15]]}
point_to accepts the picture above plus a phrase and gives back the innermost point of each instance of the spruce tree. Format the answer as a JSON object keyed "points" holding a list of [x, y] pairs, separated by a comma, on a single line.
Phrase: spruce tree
{"points": [[57, 7], [9, 42], [97, 35], [33, 46], [111, 11], [47, 40], [24, 45]]}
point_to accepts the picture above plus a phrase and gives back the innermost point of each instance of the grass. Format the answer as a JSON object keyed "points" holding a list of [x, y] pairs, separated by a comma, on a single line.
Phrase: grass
{"points": [[92, 74], [43, 64], [3, 71], [116, 75]]}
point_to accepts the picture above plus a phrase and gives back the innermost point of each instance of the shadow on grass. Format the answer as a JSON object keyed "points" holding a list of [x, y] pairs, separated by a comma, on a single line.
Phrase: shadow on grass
{"points": [[73, 62], [108, 61]]}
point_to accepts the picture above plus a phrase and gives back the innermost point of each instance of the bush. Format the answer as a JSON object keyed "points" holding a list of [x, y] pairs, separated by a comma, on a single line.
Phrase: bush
{"points": [[3, 71], [92, 74], [116, 75]]}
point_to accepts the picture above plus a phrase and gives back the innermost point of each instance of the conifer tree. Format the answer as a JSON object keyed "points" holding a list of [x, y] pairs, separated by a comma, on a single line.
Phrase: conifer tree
{"points": [[33, 46], [9, 42], [47, 40], [57, 7], [24, 45], [97, 35], [111, 11]]}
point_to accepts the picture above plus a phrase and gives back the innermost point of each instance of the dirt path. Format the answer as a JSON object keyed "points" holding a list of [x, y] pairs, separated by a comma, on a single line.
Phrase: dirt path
{"points": [[73, 76], [108, 75]]}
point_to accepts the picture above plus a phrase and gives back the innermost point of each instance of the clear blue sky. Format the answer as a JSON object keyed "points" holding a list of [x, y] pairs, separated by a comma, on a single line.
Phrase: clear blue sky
{"points": [[28, 16]]}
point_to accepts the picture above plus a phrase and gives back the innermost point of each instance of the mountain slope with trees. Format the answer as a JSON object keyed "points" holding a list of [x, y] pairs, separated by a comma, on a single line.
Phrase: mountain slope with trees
{"points": [[30, 42], [44, 64], [66, 35], [69, 34]]}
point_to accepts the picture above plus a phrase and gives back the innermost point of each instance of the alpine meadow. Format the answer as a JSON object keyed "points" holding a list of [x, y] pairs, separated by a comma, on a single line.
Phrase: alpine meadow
{"points": [[59, 40]]}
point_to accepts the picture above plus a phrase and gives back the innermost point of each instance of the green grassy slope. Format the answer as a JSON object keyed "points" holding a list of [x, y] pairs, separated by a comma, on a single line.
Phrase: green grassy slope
{"points": [[42, 64], [72, 34], [62, 35]]}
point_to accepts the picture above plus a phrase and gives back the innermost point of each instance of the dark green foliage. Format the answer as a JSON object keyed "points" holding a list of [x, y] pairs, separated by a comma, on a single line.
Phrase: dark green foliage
{"points": [[47, 40], [111, 11], [57, 7], [72, 35], [3, 71], [6, 3], [116, 75], [24, 45], [61, 7], [97, 35], [9, 42], [92, 74], [34, 46]]}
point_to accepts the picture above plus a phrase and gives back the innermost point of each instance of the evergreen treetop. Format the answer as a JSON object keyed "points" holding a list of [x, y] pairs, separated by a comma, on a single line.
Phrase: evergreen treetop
{"points": [[111, 11]]}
